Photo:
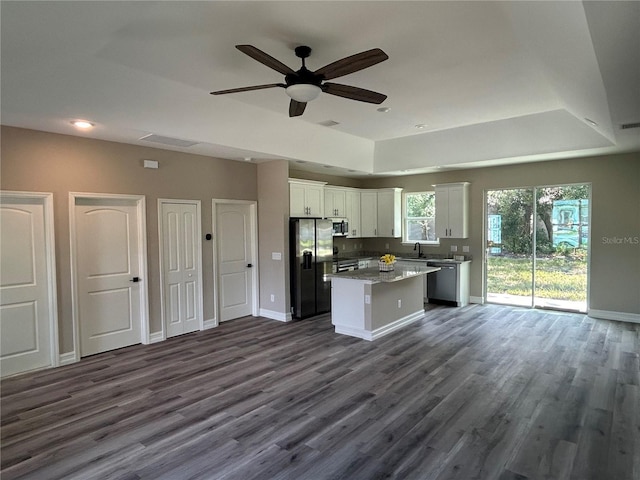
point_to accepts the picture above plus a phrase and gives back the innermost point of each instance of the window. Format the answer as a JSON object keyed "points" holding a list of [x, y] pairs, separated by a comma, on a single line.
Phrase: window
{"points": [[419, 217]]}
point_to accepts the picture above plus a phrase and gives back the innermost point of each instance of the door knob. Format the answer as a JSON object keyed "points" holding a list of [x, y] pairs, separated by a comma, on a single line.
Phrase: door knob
{"points": [[135, 279], [249, 265]]}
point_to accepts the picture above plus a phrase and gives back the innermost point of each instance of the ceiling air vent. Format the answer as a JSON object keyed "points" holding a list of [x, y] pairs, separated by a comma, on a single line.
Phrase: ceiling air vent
{"points": [[329, 123], [174, 142], [626, 126]]}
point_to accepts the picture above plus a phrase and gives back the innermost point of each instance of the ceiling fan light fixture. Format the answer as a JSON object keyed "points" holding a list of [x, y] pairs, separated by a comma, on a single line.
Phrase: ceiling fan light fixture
{"points": [[303, 92]]}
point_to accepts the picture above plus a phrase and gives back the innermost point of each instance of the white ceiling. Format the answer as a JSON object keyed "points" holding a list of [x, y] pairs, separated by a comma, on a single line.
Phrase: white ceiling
{"points": [[495, 82]]}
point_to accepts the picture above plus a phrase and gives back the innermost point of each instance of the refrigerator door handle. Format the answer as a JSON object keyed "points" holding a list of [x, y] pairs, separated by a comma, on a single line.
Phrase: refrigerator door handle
{"points": [[306, 260]]}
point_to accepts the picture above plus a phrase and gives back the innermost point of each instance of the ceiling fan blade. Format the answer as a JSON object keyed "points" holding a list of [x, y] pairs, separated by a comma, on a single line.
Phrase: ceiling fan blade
{"points": [[265, 59], [352, 64], [353, 93], [296, 108], [247, 89]]}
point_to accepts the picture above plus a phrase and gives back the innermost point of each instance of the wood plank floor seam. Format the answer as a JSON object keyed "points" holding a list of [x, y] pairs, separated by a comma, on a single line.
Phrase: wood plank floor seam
{"points": [[480, 392]]}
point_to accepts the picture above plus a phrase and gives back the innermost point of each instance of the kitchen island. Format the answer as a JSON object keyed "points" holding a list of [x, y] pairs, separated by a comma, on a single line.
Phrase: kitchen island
{"points": [[368, 303]]}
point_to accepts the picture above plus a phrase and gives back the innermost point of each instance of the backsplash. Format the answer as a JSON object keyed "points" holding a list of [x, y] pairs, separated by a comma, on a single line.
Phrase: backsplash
{"points": [[357, 247]]}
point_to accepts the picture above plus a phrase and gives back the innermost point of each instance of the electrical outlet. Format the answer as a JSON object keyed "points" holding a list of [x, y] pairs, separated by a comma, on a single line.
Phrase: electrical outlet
{"points": [[454, 248], [465, 248], [367, 299], [399, 303], [344, 247], [273, 297], [386, 246]]}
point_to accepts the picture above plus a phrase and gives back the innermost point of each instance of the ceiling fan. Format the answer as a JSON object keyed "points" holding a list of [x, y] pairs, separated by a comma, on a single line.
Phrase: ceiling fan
{"points": [[304, 85]]}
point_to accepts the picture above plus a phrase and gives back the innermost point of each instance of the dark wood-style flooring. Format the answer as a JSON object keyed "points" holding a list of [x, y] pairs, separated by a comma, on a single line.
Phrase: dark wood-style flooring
{"points": [[481, 392]]}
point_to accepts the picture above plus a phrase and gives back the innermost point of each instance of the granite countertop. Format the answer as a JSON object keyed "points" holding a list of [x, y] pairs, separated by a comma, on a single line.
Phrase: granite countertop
{"points": [[373, 275], [424, 260]]}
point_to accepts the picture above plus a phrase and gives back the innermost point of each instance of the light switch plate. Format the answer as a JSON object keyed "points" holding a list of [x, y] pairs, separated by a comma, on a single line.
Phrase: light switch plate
{"points": [[454, 248], [465, 248], [276, 256]]}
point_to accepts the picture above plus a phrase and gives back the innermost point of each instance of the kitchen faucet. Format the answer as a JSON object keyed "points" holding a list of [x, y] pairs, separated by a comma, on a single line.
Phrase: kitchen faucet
{"points": [[417, 245]]}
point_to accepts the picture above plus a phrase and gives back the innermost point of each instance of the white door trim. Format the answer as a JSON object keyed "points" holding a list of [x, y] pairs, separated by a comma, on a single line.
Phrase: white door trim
{"points": [[198, 204], [253, 211], [142, 262], [50, 248]]}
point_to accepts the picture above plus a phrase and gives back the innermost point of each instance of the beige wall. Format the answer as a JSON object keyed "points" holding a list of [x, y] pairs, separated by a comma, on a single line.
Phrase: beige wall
{"points": [[273, 225], [615, 212], [44, 162], [330, 179]]}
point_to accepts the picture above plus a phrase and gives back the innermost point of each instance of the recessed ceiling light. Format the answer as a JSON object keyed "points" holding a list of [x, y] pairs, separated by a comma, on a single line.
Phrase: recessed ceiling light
{"points": [[420, 126], [83, 124], [590, 122], [383, 109], [247, 159]]}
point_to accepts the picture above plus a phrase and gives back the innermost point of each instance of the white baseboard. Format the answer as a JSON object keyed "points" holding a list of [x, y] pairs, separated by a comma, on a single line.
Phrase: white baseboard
{"points": [[382, 331], [479, 300], [156, 337], [211, 323], [619, 316], [67, 358], [281, 317]]}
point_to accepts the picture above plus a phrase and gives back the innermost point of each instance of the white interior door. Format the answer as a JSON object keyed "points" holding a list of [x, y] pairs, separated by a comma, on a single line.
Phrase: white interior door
{"points": [[108, 273], [181, 259], [235, 263], [27, 298]]}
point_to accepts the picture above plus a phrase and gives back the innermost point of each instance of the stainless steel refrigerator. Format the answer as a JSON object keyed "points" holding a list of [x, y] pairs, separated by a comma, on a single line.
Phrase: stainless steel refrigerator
{"points": [[311, 260]]}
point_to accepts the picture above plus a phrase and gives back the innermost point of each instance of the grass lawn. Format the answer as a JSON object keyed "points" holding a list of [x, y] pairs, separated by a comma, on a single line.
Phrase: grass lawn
{"points": [[557, 277]]}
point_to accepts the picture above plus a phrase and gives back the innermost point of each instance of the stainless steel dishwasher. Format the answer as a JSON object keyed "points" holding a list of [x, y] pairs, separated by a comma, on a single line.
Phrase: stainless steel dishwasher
{"points": [[442, 286]]}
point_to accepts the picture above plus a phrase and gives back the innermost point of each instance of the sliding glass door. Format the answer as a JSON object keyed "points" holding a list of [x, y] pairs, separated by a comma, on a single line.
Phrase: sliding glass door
{"points": [[537, 246], [509, 257]]}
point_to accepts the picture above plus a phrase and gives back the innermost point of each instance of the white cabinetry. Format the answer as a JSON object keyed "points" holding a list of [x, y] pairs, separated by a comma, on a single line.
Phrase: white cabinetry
{"points": [[335, 202], [369, 213], [352, 209], [452, 210], [390, 212], [306, 198], [381, 212]]}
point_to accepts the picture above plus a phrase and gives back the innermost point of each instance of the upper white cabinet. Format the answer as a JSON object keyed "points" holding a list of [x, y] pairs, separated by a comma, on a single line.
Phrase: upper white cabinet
{"points": [[452, 210], [352, 209], [335, 202], [390, 212], [381, 212], [369, 213], [306, 198]]}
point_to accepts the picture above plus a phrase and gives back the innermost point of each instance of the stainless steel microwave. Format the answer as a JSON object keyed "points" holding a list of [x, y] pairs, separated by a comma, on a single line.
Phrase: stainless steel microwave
{"points": [[340, 228]]}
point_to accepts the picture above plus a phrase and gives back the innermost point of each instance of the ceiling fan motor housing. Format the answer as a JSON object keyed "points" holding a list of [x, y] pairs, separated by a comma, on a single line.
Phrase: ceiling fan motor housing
{"points": [[304, 75]]}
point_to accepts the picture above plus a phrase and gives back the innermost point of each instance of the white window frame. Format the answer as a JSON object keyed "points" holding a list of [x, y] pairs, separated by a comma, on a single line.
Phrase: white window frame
{"points": [[405, 230]]}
